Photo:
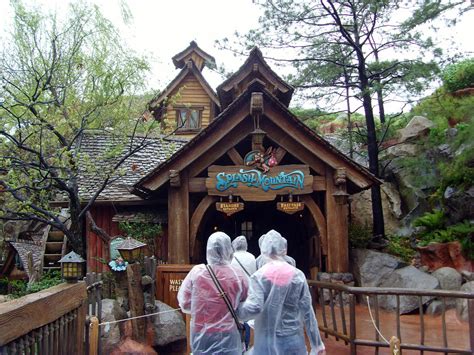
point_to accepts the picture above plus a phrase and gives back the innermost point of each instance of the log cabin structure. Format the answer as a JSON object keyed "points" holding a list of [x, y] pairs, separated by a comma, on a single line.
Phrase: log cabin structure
{"points": [[239, 162]]}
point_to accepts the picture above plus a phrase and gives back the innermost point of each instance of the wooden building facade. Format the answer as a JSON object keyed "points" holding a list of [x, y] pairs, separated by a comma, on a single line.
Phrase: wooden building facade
{"points": [[249, 165]]}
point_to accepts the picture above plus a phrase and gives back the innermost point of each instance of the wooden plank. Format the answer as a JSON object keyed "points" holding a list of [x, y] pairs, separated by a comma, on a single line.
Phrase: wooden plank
{"points": [[178, 224], [235, 156], [18, 317], [136, 301], [254, 185], [197, 184], [319, 183]]}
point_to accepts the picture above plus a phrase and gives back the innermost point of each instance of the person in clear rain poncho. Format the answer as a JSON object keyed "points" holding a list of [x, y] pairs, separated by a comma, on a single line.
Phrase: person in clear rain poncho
{"points": [[261, 260], [213, 329], [242, 258], [280, 302]]}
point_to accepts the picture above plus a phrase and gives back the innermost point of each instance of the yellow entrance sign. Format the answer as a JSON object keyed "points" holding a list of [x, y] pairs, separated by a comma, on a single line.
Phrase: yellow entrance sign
{"points": [[290, 207], [229, 208]]}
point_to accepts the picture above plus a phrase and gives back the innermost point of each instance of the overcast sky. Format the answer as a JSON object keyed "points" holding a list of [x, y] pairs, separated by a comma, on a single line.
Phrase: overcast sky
{"points": [[162, 28]]}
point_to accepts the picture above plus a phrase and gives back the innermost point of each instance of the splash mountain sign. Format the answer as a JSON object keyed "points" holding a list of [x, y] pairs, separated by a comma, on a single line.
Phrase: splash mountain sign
{"points": [[255, 185]]}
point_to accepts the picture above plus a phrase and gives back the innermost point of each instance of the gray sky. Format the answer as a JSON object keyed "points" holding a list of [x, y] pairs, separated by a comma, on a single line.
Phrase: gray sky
{"points": [[162, 28]]}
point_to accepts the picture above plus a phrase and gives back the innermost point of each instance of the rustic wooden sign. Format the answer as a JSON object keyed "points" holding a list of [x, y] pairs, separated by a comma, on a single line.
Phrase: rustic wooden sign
{"points": [[169, 278], [290, 207], [229, 208], [254, 185]]}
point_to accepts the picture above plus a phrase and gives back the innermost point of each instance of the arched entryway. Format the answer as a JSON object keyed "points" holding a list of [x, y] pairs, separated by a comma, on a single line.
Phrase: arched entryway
{"points": [[302, 229]]}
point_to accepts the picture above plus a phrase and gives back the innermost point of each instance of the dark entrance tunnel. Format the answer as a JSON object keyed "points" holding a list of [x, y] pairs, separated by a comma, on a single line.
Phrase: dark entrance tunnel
{"points": [[256, 219]]}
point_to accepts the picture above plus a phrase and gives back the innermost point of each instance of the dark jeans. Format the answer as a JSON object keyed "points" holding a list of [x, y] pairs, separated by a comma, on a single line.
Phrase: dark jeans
{"points": [[247, 336]]}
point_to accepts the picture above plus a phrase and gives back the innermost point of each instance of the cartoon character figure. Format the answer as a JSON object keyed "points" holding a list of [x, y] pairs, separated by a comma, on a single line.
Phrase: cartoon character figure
{"points": [[260, 160]]}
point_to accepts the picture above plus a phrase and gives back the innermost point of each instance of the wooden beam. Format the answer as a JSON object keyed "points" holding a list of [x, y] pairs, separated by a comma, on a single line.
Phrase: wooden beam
{"points": [[235, 156], [178, 222], [319, 219], [136, 301], [20, 316], [196, 219], [208, 157], [325, 154], [215, 138], [197, 184], [319, 183], [293, 146], [337, 229]]}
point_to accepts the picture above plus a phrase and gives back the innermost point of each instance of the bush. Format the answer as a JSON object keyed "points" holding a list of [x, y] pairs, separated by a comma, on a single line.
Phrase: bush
{"points": [[459, 75], [359, 236], [19, 288], [400, 246]]}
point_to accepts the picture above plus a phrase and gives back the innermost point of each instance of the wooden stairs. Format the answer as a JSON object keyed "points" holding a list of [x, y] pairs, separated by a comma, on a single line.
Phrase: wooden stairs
{"points": [[54, 249]]}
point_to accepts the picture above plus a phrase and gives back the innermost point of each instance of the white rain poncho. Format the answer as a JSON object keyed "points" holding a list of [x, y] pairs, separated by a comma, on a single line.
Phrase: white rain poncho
{"points": [[213, 330], [261, 260], [280, 302], [242, 256]]}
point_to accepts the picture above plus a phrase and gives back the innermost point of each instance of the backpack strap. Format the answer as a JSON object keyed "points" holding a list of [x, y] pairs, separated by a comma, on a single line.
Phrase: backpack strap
{"points": [[243, 268]]}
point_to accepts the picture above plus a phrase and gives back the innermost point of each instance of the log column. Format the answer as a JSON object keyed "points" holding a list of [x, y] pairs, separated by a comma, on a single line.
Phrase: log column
{"points": [[337, 221], [178, 218]]}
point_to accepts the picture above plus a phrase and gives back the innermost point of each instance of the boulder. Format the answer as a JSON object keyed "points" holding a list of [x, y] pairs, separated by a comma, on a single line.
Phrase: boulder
{"points": [[361, 207], [449, 278], [341, 278], [438, 255], [168, 327], [462, 310], [110, 333], [435, 308], [401, 150], [459, 204], [418, 126], [407, 277], [467, 275], [371, 267]]}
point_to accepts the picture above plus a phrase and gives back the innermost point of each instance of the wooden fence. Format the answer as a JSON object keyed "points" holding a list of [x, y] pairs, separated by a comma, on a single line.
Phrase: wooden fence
{"points": [[337, 307], [49, 322]]}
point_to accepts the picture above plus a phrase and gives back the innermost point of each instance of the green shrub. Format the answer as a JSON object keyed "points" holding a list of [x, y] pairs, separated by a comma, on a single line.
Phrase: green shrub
{"points": [[431, 220], [400, 246], [19, 288], [459, 75], [359, 236]]}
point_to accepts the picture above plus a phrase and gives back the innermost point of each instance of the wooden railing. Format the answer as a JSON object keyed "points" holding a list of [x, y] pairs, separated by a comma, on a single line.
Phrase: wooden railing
{"points": [[337, 306], [47, 322]]}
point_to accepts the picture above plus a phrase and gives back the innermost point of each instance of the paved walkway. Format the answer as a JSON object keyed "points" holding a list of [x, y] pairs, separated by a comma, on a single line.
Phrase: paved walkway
{"points": [[457, 331]]}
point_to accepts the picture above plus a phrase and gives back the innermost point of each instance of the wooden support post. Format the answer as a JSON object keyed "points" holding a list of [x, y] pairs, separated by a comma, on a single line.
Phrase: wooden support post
{"points": [[94, 336], [337, 228], [136, 301], [188, 334], [178, 222]]}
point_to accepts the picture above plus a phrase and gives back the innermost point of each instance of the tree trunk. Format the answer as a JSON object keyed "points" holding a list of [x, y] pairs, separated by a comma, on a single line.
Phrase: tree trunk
{"points": [[372, 147]]}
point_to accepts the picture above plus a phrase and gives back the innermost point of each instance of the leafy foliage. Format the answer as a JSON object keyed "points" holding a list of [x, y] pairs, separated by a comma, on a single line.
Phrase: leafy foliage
{"points": [[431, 220], [142, 231], [20, 288], [459, 75], [400, 246], [359, 236], [61, 79]]}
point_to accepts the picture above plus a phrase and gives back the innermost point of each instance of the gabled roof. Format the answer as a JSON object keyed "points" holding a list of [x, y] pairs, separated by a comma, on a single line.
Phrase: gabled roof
{"points": [[256, 67], [219, 129], [182, 57], [190, 68]]}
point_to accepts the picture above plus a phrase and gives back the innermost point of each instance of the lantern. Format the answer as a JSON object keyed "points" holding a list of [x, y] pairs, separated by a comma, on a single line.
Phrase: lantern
{"points": [[71, 267], [131, 249]]}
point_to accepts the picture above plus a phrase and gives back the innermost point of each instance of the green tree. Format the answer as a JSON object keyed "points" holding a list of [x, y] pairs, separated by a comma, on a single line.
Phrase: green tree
{"points": [[348, 48], [58, 79]]}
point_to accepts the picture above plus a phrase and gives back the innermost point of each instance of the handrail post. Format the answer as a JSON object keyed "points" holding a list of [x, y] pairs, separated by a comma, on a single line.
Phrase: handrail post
{"points": [[470, 306], [352, 324], [94, 336]]}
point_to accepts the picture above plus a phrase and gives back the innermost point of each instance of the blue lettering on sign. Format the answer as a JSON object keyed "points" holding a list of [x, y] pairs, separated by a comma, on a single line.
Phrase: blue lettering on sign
{"points": [[257, 179]]}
